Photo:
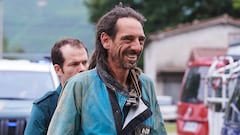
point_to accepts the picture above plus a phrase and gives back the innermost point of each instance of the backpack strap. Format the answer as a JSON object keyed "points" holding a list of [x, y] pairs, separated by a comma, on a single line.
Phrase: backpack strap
{"points": [[117, 114]]}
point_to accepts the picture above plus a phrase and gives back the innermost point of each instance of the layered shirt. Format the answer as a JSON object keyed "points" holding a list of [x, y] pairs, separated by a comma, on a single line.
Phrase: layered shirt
{"points": [[86, 107]]}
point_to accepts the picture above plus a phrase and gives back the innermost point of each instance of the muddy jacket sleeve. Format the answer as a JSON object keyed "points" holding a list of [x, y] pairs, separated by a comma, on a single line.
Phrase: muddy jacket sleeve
{"points": [[65, 118]]}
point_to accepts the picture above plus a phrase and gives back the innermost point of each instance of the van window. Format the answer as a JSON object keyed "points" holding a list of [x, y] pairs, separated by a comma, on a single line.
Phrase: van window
{"points": [[24, 84], [193, 88]]}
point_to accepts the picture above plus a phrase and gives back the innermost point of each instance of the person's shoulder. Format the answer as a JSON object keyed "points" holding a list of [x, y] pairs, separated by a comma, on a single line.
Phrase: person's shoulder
{"points": [[144, 77], [89, 74], [46, 96]]}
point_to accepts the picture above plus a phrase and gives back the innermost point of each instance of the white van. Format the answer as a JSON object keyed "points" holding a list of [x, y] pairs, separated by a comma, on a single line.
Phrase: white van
{"points": [[21, 82]]}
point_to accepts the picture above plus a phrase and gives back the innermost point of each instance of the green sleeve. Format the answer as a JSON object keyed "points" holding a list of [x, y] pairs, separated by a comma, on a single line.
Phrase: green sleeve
{"points": [[36, 122], [65, 119], [159, 125], [158, 122]]}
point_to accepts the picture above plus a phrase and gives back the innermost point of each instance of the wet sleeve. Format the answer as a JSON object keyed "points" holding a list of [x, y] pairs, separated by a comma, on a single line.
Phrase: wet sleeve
{"points": [[158, 122], [36, 123], [65, 120], [159, 125]]}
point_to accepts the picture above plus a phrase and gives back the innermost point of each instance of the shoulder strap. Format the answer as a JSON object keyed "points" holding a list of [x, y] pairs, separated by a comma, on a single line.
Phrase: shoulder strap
{"points": [[134, 79], [117, 114]]}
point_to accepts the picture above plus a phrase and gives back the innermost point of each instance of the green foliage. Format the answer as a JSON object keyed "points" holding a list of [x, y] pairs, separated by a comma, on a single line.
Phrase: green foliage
{"points": [[140, 62], [36, 28], [5, 44], [15, 49], [171, 127], [161, 14], [236, 4]]}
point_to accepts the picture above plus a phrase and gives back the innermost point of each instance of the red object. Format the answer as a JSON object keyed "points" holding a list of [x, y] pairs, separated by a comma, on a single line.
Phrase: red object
{"points": [[192, 116]]}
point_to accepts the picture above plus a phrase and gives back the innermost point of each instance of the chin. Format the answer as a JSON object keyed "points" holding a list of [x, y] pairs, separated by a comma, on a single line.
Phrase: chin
{"points": [[129, 66]]}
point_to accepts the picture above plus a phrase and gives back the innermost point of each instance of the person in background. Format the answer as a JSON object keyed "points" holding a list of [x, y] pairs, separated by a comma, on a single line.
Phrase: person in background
{"points": [[69, 57], [114, 97]]}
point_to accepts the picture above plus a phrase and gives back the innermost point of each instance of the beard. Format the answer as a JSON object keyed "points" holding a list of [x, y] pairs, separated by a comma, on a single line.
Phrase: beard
{"points": [[128, 62], [127, 59], [129, 65]]}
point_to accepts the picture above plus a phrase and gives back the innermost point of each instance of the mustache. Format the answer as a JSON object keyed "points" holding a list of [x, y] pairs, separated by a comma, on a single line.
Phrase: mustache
{"points": [[133, 52]]}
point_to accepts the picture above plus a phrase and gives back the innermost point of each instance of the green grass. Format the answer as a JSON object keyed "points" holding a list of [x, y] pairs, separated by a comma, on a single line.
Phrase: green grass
{"points": [[171, 127]]}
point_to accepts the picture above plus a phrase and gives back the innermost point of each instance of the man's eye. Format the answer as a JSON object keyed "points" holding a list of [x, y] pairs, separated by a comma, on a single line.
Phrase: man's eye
{"points": [[75, 64], [128, 38], [141, 42], [84, 62]]}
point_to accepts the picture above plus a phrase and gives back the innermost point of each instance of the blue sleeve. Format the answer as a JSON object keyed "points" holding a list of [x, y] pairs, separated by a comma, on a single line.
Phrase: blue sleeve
{"points": [[158, 125], [65, 120], [36, 122]]}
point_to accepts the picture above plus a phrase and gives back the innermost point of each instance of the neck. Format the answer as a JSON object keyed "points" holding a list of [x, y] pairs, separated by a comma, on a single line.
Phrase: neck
{"points": [[119, 74]]}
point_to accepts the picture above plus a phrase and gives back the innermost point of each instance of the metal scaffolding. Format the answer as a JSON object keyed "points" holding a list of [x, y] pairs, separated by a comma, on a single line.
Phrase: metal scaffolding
{"points": [[1, 28]]}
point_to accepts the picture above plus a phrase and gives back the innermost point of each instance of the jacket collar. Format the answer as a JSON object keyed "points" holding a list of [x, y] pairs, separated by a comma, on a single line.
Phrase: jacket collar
{"points": [[109, 81]]}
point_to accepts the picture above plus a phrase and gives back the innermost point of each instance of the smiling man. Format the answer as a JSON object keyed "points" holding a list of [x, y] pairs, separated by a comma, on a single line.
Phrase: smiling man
{"points": [[113, 98]]}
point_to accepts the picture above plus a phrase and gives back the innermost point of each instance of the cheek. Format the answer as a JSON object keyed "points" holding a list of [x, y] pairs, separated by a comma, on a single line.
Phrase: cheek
{"points": [[70, 74], [119, 50], [71, 71], [74, 71]]}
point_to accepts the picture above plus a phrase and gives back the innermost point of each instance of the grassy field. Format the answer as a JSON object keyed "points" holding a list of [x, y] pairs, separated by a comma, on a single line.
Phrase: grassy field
{"points": [[171, 127]]}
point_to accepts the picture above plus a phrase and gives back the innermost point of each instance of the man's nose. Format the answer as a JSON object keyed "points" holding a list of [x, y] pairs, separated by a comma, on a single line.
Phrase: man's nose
{"points": [[82, 68], [137, 46]]}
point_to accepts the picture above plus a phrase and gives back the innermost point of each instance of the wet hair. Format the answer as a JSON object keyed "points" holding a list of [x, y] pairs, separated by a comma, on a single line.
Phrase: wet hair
{"points": [[56, 53], [107, 24], [93, 62]]}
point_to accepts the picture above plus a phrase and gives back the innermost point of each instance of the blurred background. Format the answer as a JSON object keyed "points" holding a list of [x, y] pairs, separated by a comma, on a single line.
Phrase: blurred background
{"points": [[177, 32], [34, 26]]}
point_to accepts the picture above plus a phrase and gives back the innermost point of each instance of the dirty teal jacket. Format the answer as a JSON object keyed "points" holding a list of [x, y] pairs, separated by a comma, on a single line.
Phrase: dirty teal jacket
{"points": [[85, 109], [41, 114]]}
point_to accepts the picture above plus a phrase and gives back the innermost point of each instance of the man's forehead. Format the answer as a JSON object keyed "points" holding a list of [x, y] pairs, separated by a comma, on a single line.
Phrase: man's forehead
{"points": [[123, 20], [129, 25]]}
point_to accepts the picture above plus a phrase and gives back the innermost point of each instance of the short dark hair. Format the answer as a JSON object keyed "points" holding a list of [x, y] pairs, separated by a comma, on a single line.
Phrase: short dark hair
{"points": [[107, 24], [56, 53]]}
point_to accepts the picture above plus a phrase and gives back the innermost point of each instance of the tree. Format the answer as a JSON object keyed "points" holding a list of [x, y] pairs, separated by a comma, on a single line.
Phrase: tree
{"points": [[161, 14], [236, 4], [5, 44], [15, 49]]}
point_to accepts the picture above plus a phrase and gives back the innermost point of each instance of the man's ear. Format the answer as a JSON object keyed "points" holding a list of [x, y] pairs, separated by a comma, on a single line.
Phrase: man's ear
{"points": [[105, 40], [57, 69]]}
